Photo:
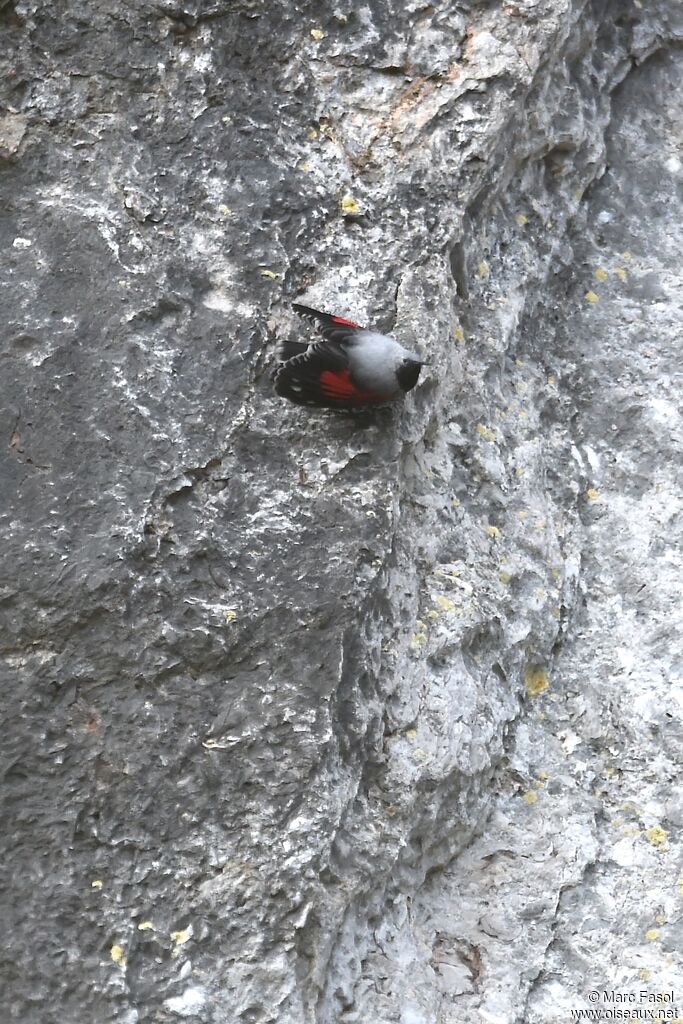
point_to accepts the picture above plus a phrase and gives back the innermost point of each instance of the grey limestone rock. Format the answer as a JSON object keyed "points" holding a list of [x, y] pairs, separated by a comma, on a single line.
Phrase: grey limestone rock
{"points": [[322, 718]]}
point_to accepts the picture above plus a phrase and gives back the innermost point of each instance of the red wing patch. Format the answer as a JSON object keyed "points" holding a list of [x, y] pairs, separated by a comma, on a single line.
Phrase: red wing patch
{"points": [[347, 323], [338, 384]]}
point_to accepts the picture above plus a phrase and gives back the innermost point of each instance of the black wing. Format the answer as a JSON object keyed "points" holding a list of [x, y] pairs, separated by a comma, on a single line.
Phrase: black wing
{"points": [[319, 376], [288, 349], [332, 328]]}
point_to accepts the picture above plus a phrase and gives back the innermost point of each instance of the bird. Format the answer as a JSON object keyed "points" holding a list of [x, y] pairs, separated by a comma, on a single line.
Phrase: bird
{"points": [[348, 368]]}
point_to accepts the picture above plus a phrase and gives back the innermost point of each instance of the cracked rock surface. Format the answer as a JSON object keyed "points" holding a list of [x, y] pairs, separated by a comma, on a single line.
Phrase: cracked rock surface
{"points": [[314, 718]]}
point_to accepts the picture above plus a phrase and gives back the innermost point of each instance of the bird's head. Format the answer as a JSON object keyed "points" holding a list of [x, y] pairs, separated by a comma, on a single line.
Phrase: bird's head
{"points": [[408, 372]]}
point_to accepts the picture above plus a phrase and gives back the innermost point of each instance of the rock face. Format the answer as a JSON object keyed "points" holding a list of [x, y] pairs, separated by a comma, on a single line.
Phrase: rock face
{"points": [[311, 717]]}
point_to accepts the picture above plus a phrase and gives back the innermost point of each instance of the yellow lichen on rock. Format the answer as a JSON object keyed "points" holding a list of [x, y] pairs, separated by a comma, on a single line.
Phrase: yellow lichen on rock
{"points": [[179, 938], [536, 679], [485, 432], [118, 955], [350, 206], [657, 836], [420, 636]]}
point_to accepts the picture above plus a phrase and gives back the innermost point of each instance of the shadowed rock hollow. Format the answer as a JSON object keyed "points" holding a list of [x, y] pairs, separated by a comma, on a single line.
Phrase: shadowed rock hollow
{"points": [[310, 718]]}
